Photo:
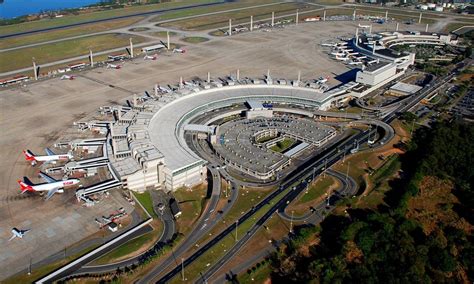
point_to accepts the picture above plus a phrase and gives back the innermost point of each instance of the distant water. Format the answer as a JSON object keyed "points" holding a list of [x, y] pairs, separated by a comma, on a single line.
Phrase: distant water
{"points": [[15, 8]]}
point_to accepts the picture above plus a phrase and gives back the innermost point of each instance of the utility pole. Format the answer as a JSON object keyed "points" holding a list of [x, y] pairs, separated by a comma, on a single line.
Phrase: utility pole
{"points": [[299, 77], [251, 23], [386, 16], [35, 70], [314, 172], [236, 226], [238, 74], [230, 27], [29, 268], [426, 29], [347, 173], [396, 29], [419, 19], [91, 58], [296, 20], [131, 48], [273, 19], [182, 268], [354, 15], [324, 15], [208, 77], [168, 40], [291, 221]]}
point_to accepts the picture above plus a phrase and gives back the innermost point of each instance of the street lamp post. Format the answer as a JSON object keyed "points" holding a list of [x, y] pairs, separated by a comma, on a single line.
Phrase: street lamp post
{"points": [[182, 268]]}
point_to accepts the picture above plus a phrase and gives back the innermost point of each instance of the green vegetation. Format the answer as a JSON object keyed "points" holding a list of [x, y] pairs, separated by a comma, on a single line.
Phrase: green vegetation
{"points": [[256, 274], [204, 10], [283, 145], [126, 249], [194, 39], [73, 19], [265, 139], [191, 203], [238, 17], [391, 165], [422, 232], [60, 34], [146, 201], [62, 50], [317, 189], [163, 33]]}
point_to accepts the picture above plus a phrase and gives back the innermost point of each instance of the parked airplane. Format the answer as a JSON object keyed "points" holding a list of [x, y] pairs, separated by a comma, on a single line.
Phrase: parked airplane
{"points": [[51, 186], [342, 58], [16, 233], [322, 80], [113, 66], [355, 63], [164, 89], [329, 44], [179, 50], [67, 77], [50, 157], [352, 53], [360, 57], [338, 53], [150, 57]]}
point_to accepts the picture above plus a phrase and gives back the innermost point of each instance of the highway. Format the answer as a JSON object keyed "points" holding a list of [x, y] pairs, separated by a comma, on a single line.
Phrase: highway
{"points": [[330, 156], [348, 186]]}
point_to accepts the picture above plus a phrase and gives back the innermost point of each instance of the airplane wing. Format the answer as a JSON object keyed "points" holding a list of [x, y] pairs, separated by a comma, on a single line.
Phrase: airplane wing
{"points": [[47, 178], [51, 192], [14, 236], [49, 152]]}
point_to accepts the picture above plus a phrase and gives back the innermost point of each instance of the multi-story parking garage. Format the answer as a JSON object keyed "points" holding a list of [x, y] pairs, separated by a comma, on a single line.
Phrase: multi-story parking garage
{"points": [[246, 144]]}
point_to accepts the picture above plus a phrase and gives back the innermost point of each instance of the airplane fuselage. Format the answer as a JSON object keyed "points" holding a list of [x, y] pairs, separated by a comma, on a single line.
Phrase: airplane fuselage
{"points": [[52, 185]]}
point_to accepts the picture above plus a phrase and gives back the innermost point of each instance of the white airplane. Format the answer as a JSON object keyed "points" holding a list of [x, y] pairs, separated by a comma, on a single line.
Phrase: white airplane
{"points": [[16, 233], [338, 53], [342, 58], [355, 63], [67, 77], [329, 44], [322, 80], [352, 53], [150, 57], [364, 26], [179, 50], [50, 157], [51, 186], [361, 57], [113, 66], [164, 89], [348, 50]]}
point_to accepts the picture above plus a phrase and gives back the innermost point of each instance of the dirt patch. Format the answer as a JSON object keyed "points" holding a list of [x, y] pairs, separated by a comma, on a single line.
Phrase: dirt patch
{"points": [[433, 206]]}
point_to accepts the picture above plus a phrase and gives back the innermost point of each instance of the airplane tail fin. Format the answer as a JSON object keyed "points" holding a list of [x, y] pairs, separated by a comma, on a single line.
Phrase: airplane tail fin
{"points": [[25, 185], [29, 156]]}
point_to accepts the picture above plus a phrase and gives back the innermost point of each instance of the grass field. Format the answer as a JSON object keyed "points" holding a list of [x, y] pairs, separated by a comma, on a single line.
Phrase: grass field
{"points": [[219, 20], [203, 10], [52, 35], [62, 50], [194, 39], [283, 145], [191, 202], [453, 26], [317, 189], [146, 202], [127, 249], [47, 23]]}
